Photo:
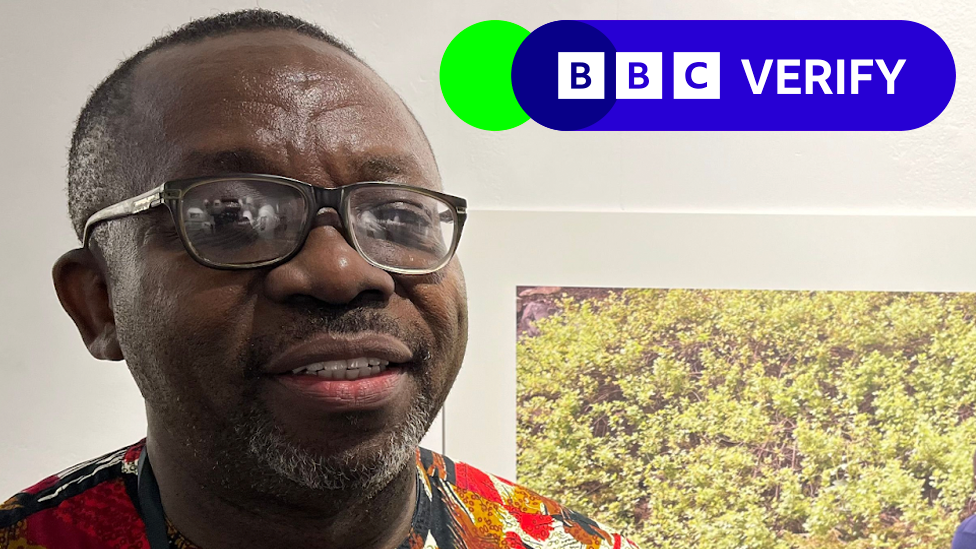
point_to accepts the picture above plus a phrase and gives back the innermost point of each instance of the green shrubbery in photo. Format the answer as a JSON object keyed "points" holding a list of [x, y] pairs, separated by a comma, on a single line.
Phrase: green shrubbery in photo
{"points": [[755, 419]]}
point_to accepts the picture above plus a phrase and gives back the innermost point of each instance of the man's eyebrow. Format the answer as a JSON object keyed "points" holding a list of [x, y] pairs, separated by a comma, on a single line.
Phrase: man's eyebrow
{"points": [[228, 161], [382, 167]]}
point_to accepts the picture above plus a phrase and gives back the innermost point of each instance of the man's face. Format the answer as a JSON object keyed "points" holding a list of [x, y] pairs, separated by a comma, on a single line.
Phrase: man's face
{"points": [[205, 345]]}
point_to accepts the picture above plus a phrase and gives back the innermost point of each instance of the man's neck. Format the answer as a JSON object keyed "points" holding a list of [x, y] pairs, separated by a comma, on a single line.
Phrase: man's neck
{"points": [[217, 518]]}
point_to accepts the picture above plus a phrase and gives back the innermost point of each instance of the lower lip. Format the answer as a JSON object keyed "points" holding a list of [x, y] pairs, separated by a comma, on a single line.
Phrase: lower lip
{"points": [[334, 395]]}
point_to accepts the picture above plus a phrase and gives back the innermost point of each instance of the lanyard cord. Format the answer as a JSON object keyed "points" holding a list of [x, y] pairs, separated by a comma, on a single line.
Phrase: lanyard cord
{"points": [[151, 504]]}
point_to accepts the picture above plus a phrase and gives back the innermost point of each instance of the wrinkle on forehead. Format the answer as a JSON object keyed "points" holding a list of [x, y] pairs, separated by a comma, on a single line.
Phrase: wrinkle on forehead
{"points": [[294, 77], [308, 88], [273, 89]]}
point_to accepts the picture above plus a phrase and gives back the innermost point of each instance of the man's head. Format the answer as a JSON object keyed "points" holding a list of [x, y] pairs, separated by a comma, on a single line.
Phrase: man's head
{"points": [[257, 92]]}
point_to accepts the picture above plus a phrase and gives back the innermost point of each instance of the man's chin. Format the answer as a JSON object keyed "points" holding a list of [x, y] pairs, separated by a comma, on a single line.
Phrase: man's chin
{"points": [[356, 469], [363, 462]]}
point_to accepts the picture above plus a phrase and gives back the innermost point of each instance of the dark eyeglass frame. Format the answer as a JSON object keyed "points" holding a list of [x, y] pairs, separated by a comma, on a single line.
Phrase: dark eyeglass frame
{"points": [[171, 193]]}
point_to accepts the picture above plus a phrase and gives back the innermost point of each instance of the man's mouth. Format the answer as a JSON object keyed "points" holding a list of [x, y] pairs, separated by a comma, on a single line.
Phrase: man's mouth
{"points": [[341, 373], [350, 369], [342, 356]]}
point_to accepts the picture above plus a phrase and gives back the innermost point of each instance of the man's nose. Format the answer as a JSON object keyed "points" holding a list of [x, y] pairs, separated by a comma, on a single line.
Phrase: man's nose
{"points": [[328, 269]]}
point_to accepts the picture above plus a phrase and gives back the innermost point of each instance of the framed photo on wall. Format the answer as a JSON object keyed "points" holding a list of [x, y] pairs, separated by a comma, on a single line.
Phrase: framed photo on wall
{"points": [[640, 364]]}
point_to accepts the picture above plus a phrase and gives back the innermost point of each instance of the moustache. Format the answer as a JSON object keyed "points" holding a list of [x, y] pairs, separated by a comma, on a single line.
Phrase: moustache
{"points": [[306, 321]]}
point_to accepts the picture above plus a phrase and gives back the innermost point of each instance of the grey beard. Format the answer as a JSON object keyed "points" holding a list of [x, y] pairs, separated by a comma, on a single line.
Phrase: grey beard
{"points": [[346, 471]]}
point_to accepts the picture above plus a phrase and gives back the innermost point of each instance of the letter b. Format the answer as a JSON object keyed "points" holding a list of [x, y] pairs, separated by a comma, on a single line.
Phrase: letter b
{"points": [[581, 71], [638, 73]]}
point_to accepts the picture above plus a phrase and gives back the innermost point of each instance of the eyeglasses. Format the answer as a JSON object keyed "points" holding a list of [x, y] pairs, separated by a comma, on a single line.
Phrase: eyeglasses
{"points": [[246, 221]]}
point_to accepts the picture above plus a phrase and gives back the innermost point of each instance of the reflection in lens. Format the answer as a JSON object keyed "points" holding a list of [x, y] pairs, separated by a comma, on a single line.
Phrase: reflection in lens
{"points": [[401, 228], [240, 222]]}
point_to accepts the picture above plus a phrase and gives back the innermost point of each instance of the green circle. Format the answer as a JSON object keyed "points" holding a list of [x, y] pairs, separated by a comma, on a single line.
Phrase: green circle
{"points": [[476, 75]]}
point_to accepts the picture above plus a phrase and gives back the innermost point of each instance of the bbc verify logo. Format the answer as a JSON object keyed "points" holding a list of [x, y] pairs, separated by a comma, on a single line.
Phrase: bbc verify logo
{"points": [[697, 75], [633, 75], [639, 75]]}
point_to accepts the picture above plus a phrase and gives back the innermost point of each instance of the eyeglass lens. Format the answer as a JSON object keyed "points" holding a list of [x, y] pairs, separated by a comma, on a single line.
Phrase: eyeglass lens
{"points": [[242, 222], [401, 228], [238, 222]]}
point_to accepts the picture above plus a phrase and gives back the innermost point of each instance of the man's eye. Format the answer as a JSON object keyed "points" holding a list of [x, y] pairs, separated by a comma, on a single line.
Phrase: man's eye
{"points": [[401, 214]]}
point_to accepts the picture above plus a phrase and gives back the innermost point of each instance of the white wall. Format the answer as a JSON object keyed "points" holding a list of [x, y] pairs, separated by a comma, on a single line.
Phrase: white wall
{"points": [[59, 406]]}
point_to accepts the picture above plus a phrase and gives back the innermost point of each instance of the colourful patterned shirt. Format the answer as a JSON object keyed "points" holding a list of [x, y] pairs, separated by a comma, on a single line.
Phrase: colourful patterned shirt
{"points": [[94, 506]]}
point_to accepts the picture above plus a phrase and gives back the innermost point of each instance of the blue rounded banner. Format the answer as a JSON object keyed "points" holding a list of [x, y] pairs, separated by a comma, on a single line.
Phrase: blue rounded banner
{"points": [[733, 75]]}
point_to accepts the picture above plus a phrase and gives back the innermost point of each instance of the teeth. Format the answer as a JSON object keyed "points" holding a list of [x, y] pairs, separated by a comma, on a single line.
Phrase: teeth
{"points": [[354, 368]]}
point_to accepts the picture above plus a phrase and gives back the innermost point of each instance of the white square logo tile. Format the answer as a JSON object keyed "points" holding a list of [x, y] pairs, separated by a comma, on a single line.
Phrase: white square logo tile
{"points": [[696, 75], [580, 75], [639, 75]]}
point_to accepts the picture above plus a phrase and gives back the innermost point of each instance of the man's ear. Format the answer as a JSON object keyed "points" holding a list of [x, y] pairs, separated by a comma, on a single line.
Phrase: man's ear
{"points": [[80, 281]]}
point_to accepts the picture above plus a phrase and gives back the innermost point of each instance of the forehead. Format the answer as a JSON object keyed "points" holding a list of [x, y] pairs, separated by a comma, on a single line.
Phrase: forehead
{"points": [[284, 102]]}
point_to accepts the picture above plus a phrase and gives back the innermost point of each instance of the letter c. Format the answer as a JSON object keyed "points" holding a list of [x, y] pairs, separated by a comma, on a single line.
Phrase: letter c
{"points": [[691, 82]]}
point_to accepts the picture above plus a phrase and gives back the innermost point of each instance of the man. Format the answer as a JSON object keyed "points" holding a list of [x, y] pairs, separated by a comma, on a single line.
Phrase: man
{"points": [[266, 244]]}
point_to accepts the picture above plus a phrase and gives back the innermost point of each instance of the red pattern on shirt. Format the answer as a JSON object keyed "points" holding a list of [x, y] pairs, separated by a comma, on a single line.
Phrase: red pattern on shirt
{"points": [[536, 525], [473, 480], [102, 516]]}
